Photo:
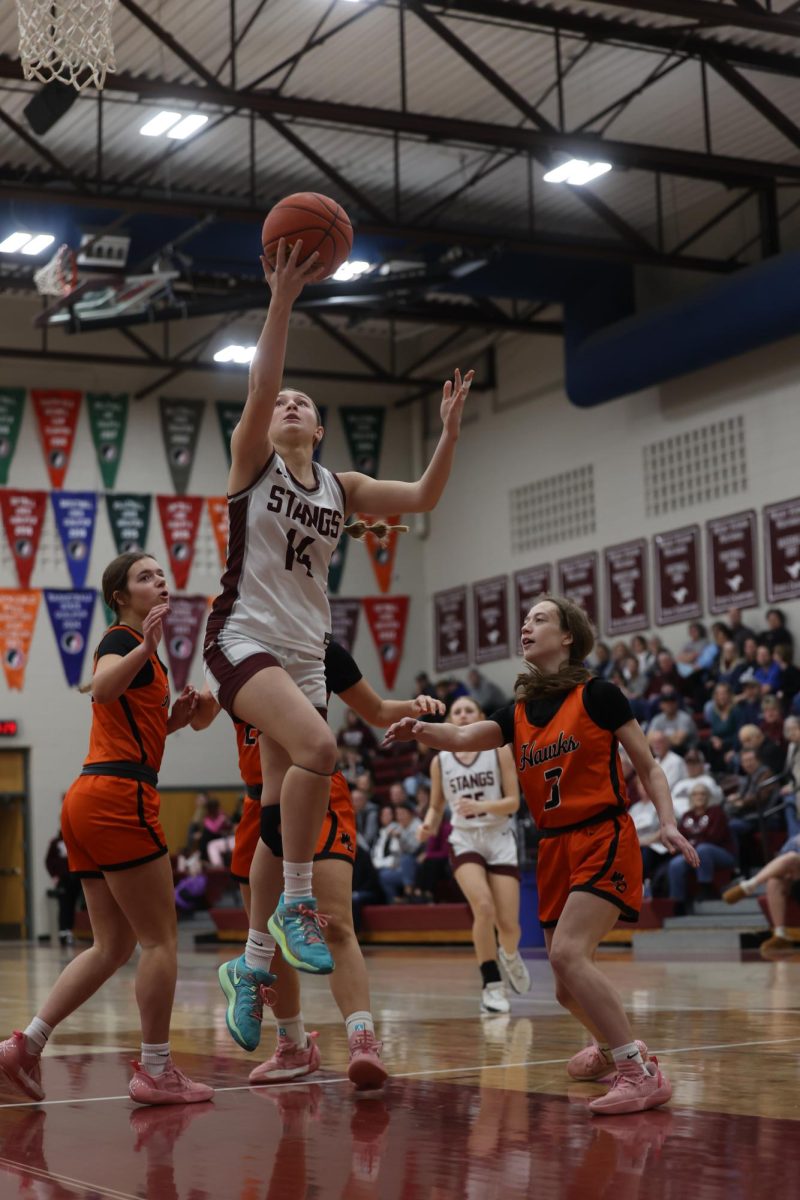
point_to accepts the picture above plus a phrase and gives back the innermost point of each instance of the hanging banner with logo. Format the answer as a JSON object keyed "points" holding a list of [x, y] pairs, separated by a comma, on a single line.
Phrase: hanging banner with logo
{"points": [[180, 517], [336, 568], [490, 613], [129, 517], [387, 617], [180, 428], [218, 515], [782, 550], [75, 517], [363, 428], [23, 517], [731, 558], [323, 414], [71, 618], [344, 621], [451, 649], [12, 403], [229, 414], [529, 584], [381, 553], [108, 418], [18, 611], [626, 587], [57, 415], [183, 626], [577, 580], [677, 575]]}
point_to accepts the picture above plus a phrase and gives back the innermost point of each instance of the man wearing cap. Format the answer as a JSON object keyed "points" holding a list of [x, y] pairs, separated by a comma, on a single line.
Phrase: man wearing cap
{"points": [[748, 704], [674, 722]]}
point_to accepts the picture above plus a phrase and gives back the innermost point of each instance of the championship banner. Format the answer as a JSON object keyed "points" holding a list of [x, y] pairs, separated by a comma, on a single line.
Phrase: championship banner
{"points": [[323, 414], [490, 613], [577, 580], [228, 414], [363, 428], [782, 550], [218, 515], [23, 517], [387, 616], [75, 516], [18, 611], [71, 618], [677, 575], [731, 557], [626, 587], [183, 625], [344, 621], [108, 418], [57, 414], [129, 517], [336, 568], [12, 402], [180, 428], [381, 553], [451, 649], [529, 584], [180, 517]]}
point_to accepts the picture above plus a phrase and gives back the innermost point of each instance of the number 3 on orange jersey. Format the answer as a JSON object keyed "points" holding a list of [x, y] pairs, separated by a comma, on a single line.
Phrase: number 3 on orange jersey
{"points": [[553, 774]]}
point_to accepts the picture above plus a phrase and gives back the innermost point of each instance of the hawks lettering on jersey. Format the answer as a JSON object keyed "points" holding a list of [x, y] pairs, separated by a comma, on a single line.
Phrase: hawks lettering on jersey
{"points": [[530, 756]]}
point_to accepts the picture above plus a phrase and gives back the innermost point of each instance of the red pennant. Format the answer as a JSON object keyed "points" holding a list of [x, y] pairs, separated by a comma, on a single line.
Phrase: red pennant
{"points": [[387, 616], [180, 517], [218, 513], [381, 553], [57, 413], [17, 621], [23, 516], [182, 627]]}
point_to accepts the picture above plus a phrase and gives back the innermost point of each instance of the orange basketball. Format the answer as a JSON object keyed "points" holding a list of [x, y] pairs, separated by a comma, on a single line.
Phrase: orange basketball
{"points": [[323, 225]]}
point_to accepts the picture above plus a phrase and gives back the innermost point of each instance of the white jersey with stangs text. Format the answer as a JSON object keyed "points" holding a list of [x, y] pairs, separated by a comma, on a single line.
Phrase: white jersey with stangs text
{"points": [[479, 781], [282, 536]]}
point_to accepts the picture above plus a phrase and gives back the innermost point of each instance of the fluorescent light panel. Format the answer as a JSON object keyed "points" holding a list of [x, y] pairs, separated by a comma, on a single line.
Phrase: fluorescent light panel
{"points": [[188, 126], [38, 243], [235, 354], [351, 270], [14, 242], [577, 171], [160, 123]]}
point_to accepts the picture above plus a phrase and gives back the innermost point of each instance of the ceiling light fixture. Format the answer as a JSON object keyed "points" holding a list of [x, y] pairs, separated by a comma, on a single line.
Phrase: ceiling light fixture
{"points": [[188, 126], [241, 355], [577, 171], [14, 242], [351, 270], [38, 243], [160, 123]]}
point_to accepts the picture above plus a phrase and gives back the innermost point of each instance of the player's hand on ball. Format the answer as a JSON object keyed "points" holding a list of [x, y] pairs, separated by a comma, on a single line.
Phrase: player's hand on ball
{"points": [[290, 276], [676, 843], [403, 731], [428, 706], [454, 394]]}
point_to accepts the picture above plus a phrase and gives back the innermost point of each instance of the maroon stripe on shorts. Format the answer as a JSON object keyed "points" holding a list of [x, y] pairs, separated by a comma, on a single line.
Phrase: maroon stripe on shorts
{"points": [[233, 676], [237, 542]]}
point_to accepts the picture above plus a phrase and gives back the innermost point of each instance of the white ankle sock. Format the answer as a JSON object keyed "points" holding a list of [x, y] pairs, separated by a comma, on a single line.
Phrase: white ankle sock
{"points": [[779, 931], [628, 1056], [36, 1035], [259, 949], [748, 886], [155, 1058], [297, 880], [357, 1022], [293, 1029]]}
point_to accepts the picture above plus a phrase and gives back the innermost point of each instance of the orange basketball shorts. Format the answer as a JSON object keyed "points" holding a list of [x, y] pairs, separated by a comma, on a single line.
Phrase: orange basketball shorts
{"points": [[603, 859], [110, 824]]}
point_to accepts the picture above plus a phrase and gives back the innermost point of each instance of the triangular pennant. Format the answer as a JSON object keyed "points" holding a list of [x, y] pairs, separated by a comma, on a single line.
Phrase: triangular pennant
{"points": [[323, 413], [182, 628], [218, 515], [344, 622], [75, 517], [18, 611], [387, 617], [108, 417], [71, 617], [180, 427], [381, 553], [57, 414], [109, 616], [23, 517], [229, 413], [336, 567], [12, 403], [129, 517], [180, 517], [363, 428]]}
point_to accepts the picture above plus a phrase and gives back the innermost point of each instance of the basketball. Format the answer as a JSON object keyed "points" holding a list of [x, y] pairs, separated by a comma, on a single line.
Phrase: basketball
{"points": [[323, 225]]}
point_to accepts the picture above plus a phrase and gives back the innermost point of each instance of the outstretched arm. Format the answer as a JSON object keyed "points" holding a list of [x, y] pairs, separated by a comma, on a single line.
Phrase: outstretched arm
{"points": [[483, 735], [377, 711]]}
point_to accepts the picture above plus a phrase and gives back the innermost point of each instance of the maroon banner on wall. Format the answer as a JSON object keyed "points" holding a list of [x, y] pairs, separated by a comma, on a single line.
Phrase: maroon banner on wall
{"points": [[344, 621], [626, 587], [577, 580], [677, 575], [528, 584], [731, 561], [782, 550], [490, 613], [451, 648]]}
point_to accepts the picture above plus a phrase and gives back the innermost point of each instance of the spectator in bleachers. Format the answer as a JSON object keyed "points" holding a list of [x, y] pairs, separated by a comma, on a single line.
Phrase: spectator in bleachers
{"points": [[424, 685], [768, 754], [748, 704], [433, 863], [756, 794], [776, 633], [66, 886], [690, 651], [644, 657], [190, 890], [600, 663], [789, 682], [448, 690], [387, 853], [749, 653], [782, 879], [730, 667], [619, 652], [790, 789], [418, 778], [216, 824], [672, 720], [397, 795], [422, 800], [355, 734], [664, 675], [771, 723], [671, 763], [739, 632], [633, 683], [366, 818], [366, 884], [351, 764], [766, 671], [366, 784], [721, 716], [706, 827], [697, 772], [487, 695]]}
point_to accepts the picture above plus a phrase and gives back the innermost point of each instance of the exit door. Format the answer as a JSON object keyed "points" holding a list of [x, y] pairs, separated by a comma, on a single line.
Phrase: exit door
{"points": [[13, 844]]}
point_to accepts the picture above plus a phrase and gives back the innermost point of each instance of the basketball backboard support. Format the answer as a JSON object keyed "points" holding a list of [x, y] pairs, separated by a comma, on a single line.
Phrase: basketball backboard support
{"points": [[106, 300]]}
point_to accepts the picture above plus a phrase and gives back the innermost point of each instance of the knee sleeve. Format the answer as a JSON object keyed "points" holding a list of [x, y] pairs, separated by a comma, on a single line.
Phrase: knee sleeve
{"points": [[271, 828]]}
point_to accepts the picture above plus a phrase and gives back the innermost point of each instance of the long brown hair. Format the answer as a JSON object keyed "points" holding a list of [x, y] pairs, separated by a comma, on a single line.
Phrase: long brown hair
{"points": [[533, 683], [115, 576]]}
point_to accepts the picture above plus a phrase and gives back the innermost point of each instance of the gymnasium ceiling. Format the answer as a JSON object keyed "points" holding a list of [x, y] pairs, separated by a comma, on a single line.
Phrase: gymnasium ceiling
{"points": [[433, 123]]}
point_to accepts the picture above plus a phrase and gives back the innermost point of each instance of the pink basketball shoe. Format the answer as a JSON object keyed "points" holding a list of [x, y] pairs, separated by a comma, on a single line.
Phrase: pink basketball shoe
{"points": [[289, 1061], [170, 1087], [591, 1064], [20, 1066], [634, 1091]]}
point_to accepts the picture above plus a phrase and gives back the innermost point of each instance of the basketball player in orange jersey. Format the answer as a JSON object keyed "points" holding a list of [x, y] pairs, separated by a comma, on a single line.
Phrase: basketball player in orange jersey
{"points": [[296, 1053], [266, 635], [566, 729], [115, 843]]}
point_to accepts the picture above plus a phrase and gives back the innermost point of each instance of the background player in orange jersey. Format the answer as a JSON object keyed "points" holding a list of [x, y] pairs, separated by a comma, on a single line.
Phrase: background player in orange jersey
{"points": [[566, 729], [296, 1053], [115, 842]]}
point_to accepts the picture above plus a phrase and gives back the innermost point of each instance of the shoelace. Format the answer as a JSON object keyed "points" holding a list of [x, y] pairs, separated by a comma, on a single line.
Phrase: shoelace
{"points": [[364, 1040], [311, 922]]}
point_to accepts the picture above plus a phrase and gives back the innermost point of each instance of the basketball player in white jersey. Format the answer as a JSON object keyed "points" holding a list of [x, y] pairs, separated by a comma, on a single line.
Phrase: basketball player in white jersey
{"points": [[265, 640], [482, 791]]}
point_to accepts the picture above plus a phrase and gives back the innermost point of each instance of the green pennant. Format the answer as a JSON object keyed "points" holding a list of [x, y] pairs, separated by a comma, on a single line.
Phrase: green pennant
{"points": [[108, 417], [363, 428], [180, 427], [129, 516], [229, 413], [12, 401], [337, 564]]}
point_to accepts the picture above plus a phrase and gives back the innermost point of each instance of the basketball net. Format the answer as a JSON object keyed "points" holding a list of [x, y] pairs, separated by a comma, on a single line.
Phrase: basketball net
{"points": [[59, 276], [67, 40]]}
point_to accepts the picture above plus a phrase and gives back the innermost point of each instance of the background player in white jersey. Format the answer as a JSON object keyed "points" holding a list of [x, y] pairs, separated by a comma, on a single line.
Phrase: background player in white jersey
{"points": [[265, 640], [482, 791]]}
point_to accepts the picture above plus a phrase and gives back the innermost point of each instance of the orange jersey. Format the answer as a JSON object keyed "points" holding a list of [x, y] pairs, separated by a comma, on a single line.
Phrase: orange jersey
{"points": [[249, 757], [569, 769], [133, 728]]}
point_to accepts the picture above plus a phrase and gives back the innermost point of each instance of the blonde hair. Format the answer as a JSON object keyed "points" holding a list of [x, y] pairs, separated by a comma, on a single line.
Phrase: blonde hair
{"points": [[533, 683]]}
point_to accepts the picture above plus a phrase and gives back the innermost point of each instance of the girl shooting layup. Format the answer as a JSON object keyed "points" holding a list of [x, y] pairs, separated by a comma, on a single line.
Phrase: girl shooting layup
{"points": [[566, 729], [266, 636]]}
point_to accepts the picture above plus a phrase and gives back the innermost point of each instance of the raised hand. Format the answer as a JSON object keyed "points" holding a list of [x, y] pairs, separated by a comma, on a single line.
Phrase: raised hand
{"points": [[183, 709], [454, 394], [152, 628], [289, 276], [428, 706]]}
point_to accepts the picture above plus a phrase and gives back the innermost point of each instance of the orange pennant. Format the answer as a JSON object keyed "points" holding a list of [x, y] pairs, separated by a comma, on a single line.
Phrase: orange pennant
{"points": [[381, 553], [18, 610], [57, 414], [218, 513]]}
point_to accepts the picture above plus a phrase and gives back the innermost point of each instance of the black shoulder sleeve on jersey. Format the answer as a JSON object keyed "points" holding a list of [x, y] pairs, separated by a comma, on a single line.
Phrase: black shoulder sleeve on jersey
{"points": [[504, 717], [341, 671], [607, 706], [120, 642]]}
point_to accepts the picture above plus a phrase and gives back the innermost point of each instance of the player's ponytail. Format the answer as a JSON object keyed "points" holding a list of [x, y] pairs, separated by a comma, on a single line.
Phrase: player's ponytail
{"points": [[533, 683], [357, 529]]}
